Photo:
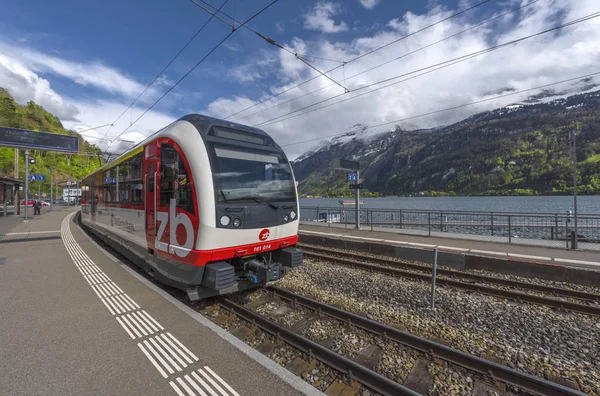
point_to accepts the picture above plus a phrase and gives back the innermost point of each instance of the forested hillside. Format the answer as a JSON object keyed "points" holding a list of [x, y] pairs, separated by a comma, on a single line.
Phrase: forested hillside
{"points": [[516, 150], [34, 117]]}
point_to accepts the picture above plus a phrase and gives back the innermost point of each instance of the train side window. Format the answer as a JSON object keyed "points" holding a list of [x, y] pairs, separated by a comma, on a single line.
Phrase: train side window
{"points": [[174, 179], [151, 177]]}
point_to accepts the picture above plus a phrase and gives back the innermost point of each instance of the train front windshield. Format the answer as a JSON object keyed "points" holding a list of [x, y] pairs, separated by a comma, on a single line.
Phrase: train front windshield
{"points": [[242, 175]]}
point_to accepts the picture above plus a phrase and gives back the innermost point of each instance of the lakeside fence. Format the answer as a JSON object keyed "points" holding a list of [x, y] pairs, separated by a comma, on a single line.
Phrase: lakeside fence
{"points": [[549, 229]]}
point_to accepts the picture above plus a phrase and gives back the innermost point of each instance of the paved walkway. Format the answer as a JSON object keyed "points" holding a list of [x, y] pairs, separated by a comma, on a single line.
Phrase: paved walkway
{"points": [[75, 321], [584, 259]]}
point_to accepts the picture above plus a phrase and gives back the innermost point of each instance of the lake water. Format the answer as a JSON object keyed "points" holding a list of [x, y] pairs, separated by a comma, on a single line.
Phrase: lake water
{"points": [[545, 204]]}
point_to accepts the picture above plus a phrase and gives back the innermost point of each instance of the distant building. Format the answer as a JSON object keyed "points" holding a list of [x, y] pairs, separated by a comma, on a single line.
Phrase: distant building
{"points": [[71, 194]]}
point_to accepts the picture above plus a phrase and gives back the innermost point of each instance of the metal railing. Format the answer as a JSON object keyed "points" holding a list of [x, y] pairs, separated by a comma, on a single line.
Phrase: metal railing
{"points": [[548, 229]]}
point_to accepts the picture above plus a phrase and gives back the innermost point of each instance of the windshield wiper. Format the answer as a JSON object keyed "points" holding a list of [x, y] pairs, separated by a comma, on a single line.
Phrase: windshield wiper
{"points": [[223, 194], [272, 205]]}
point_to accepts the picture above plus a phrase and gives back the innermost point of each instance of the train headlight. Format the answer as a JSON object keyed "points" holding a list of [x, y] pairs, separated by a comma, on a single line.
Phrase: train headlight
{"points": [[286, 218], [225, 220], [237, 223], [292, 215]]}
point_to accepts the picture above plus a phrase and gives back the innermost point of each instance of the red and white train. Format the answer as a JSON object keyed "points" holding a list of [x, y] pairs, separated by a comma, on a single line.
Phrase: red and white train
{"points": [[204, 205]]}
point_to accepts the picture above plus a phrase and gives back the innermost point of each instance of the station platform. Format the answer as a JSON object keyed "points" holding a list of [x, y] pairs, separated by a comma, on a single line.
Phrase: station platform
{"points": [[76, 321], [572, 258]]}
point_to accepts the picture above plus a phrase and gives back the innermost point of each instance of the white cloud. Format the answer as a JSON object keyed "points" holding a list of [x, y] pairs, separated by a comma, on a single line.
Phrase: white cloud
{"points": [[369, 4], [25, 84], [96, 113], [244, 73], [320, 18], [552, 57], [279, 27], [93, 74]]}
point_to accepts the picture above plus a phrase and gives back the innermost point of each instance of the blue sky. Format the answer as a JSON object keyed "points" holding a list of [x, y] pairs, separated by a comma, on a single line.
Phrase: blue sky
{"points": [[86, 61]]}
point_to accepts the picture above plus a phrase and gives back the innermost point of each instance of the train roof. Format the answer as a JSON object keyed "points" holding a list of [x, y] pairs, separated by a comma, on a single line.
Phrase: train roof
{"points": [[201, 122]]}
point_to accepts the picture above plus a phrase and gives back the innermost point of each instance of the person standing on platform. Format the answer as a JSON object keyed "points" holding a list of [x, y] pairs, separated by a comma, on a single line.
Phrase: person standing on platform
{"points": [[36, 207]]}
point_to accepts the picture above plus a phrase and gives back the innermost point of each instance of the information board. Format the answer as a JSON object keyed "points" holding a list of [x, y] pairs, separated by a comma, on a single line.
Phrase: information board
{"points": [[23, 138], [344, 164]]}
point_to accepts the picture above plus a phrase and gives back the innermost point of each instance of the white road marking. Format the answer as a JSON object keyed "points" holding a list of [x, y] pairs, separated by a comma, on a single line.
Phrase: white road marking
{"points": [[97, 292], [396, 242], [145, 319], [126, 303], [577, 261], [425, 245], [171, 351], [212, 382], [113, 287], [195, 385], [113, 306], [184, 386], [157, 355], [225, 384], [125, 327], [165, 338], [133, 303], [31, 232], [204, 384], [108, 306], [194, 357], [488, 252], [160, 370], [141, 320], [166, 353], [452, 248], [137, 325], [529, 257], [132, 327], [177, 390]]}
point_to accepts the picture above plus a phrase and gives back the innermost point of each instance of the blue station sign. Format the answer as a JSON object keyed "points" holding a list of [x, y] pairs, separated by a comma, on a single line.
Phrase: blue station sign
{"points": [[33, 177]]}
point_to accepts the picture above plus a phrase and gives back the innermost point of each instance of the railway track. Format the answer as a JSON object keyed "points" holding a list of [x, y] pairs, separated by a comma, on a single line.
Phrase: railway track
{"points": [[473, 282], [358, 373], [493, 373]]}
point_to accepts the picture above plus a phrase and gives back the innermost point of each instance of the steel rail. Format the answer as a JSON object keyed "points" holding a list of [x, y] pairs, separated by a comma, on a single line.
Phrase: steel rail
{"points": [[365, 376], [491, 291], [558, 291], [498, 371]]}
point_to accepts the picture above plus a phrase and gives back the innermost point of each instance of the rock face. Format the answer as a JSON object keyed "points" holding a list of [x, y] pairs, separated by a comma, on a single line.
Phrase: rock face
{"points": [[518, 149]]}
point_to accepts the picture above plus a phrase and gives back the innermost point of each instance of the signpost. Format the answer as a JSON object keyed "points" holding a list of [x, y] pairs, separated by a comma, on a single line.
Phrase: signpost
{"points": [[26, 139], [354, 166]]}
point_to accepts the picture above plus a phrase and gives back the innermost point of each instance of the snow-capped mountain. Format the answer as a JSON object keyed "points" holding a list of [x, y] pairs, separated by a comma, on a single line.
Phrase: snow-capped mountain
{"points": [[519, 146]]}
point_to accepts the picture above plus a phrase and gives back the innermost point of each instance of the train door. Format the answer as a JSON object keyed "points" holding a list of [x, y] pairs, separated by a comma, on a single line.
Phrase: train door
{"points": [[150, 192], [93, 197]]}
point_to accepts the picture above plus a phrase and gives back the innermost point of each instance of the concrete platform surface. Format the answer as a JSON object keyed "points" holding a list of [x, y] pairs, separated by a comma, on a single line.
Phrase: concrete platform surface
{"points": [[75, 321], [575, 258]]}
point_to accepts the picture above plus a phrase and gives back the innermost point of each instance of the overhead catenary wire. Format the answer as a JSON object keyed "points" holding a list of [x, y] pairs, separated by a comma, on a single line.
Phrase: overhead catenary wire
{"points": [[195, 66], [361, 56], [450, 108], [272, 42], [435, 67], [163, 69], [391, 60], [91, 129]]}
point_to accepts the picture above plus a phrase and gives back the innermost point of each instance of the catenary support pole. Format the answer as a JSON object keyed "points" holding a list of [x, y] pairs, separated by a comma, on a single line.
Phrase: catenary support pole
{"points": [[433, 276], [574, 244], [357, 200], [26, 183]]}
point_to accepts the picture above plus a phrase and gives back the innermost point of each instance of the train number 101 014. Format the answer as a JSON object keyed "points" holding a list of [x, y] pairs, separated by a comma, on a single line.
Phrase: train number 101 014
{"points": [[262, 248]]}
